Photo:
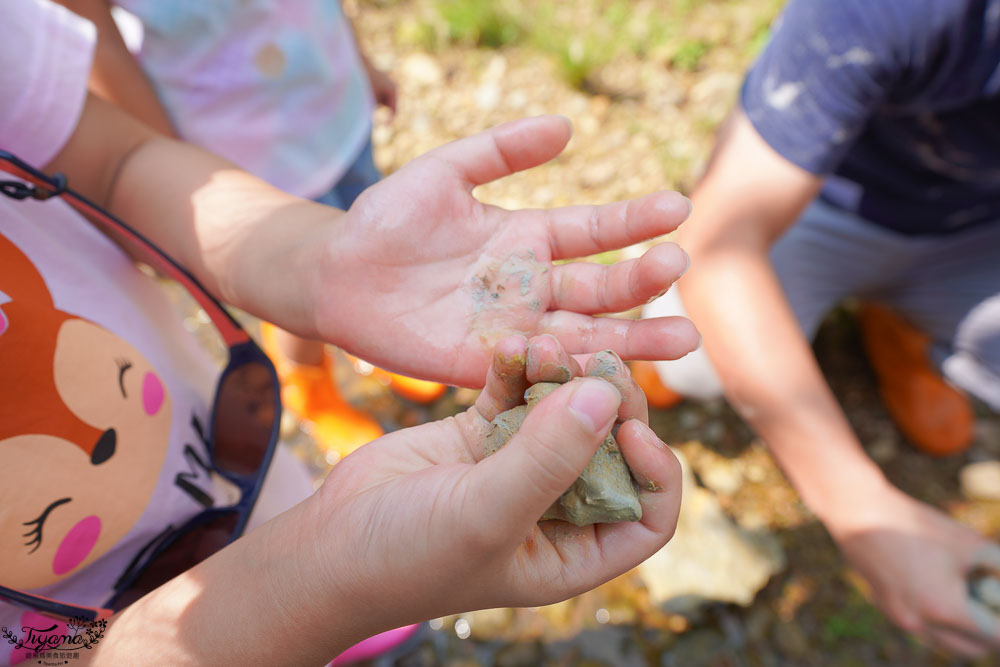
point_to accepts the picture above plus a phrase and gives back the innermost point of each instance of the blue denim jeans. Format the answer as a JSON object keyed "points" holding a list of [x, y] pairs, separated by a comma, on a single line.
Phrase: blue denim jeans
{"points": [[358, 177]]}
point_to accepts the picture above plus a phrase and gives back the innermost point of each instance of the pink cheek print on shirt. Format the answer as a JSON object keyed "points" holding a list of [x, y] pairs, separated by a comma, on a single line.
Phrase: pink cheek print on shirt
{"points": [[77, 545], [152, 394]]}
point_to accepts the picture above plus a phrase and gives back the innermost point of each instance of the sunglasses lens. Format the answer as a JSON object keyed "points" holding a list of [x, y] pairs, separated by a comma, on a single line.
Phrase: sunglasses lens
{"points": [[245, 414], [181, 555]]}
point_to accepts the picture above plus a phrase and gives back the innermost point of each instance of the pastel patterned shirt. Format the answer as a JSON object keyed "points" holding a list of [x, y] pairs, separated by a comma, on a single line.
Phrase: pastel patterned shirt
{"points": [[275, 86]]}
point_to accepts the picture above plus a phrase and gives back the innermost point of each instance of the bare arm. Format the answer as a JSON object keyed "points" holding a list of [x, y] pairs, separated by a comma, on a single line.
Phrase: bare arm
{"points": [[748, 197], [915, 557], [116, 75], [249, 243]]}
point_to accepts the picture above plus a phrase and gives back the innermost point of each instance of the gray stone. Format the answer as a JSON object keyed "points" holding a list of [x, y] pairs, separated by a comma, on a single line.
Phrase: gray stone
{"points": [[791, 640], [604, 492], [988, 435], [884, 448], [710, 558]]}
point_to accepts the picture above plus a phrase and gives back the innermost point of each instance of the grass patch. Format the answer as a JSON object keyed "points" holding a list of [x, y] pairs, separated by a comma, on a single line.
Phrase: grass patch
{"points": [[584, 36], [857, 621], [482, 23], [689, 54]]}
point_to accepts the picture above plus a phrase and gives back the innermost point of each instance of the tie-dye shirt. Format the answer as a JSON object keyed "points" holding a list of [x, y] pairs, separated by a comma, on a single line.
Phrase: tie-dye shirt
{"points": [[275, 86], [897, 101]]}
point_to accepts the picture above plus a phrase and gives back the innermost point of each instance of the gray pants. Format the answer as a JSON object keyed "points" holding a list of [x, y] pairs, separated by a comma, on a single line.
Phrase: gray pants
{"points": [[947, 286]]}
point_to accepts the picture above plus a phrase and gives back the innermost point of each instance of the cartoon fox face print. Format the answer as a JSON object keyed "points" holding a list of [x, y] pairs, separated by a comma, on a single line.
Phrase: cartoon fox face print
{"points": [[84, 428]]}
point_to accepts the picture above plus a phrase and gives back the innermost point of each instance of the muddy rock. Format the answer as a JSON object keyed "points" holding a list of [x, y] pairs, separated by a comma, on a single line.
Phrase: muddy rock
{"points": [[604, 492]]}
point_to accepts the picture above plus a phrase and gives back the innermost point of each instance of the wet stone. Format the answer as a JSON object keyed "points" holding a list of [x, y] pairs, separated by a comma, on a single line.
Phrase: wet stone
{"points": [[604, 492]]}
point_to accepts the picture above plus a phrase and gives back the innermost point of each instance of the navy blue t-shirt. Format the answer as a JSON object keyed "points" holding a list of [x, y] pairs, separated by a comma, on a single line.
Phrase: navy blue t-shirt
{"points": [[897, 101]]}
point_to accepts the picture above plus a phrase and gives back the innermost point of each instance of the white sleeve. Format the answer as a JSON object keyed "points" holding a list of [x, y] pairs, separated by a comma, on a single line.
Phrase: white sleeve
{"points": [[45, 56]]}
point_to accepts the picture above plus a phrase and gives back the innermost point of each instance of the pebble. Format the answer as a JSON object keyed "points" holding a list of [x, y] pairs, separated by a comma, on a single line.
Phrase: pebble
{"points": [[981, 481], [791, 640], [598, 174], [488, 96], [884, 448], [722, 477], [988, 435], [714, 432], [757, 623], [422, 70]]}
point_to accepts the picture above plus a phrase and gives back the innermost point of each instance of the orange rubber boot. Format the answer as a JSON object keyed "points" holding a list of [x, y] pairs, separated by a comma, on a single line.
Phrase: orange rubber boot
{"points": [[658, 395], [418, 391], [309, 393], [935, 416]]}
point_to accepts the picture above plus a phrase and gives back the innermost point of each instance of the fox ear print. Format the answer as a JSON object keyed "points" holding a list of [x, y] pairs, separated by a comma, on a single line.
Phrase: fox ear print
{"points": [[21, 286]]}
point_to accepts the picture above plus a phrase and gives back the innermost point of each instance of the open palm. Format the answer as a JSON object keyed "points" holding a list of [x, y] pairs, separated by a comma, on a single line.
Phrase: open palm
{"points": [[440, 277]]}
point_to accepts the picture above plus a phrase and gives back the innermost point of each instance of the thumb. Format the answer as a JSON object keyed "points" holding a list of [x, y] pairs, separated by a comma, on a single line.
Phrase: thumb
{"points": [[543, 459], [505, 149]]}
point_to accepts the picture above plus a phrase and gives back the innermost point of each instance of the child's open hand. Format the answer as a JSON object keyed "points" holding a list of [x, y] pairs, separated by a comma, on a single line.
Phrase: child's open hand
{"points": [[418, 524], [437, 278]]}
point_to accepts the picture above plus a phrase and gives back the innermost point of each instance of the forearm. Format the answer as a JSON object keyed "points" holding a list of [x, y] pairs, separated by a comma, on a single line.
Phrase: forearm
{"points": [[768, 369], [262, 600], [250, 244], [116, 76]]}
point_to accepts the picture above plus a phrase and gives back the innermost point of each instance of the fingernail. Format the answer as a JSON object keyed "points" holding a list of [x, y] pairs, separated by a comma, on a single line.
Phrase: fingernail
{"points": [[687, 265], [595, 403], [659, 294]]}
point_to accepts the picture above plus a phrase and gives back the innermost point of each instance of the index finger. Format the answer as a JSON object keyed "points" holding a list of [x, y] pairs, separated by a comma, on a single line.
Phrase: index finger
{"points": [[609, 366], [578, 231]]}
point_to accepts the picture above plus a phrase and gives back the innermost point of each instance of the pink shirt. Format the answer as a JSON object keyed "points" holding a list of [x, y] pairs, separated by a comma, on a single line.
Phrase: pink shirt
{"points": [[89, 345]]}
